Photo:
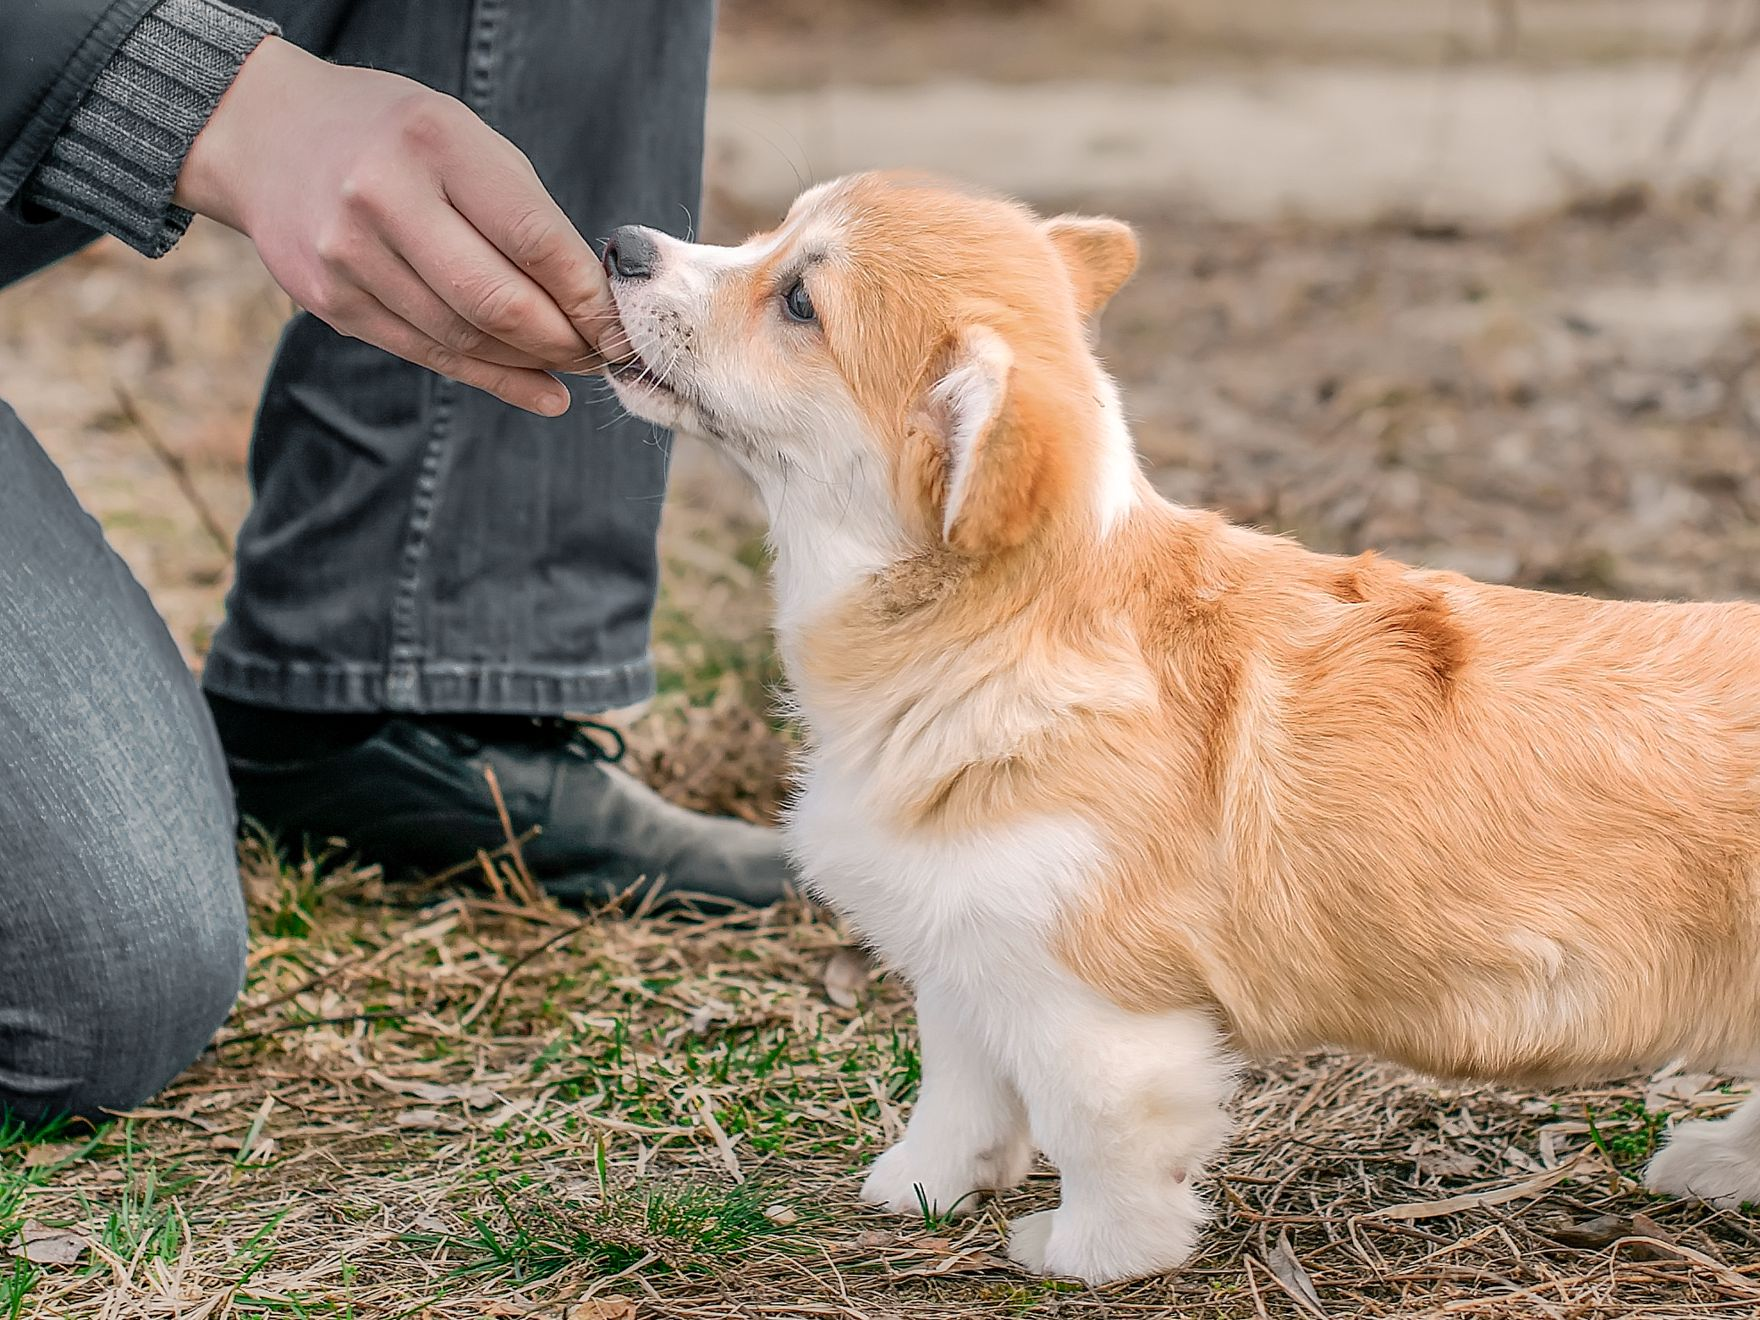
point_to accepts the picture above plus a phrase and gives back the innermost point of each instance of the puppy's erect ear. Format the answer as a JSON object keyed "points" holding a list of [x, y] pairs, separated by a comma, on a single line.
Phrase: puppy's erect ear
{"points": [[1100, 253], [993, 469]]}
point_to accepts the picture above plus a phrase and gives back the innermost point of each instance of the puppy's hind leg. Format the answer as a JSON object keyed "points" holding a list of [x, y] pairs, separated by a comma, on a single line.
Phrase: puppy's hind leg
{"points": [[1715, 1160]]}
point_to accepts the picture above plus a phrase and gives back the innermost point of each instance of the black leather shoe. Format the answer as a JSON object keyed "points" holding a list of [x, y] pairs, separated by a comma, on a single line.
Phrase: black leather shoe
{"points": [[416, 798]]}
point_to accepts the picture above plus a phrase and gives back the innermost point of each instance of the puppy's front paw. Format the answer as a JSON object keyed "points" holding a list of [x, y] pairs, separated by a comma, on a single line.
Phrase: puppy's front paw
{"points": [[1028, 1237], [1706, 1160], [901, 1183], [912, 1179], [1051, 1242]]}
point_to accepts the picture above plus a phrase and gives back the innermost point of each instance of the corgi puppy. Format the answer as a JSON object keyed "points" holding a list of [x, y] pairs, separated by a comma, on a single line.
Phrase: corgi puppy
{"points": [[1128, 792]]}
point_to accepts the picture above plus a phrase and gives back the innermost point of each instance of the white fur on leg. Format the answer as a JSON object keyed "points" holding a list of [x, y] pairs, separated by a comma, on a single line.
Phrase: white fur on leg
{"points": [[1129, 1106], [1715, 1160], [1028, 1237], [1130, 1109], [968, 1133], [1110, 1226]]}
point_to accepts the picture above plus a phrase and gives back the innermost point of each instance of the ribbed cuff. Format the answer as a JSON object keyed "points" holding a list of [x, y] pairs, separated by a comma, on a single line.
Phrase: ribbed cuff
{"points": [[116, 163]]}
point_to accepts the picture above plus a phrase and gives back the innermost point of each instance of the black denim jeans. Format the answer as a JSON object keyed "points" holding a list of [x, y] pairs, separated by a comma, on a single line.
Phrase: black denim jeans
{"points": [[414, 545]]}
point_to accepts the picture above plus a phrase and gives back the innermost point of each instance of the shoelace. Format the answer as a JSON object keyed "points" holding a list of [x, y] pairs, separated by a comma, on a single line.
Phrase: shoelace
{"points": [[582, 737], [587, 739]]}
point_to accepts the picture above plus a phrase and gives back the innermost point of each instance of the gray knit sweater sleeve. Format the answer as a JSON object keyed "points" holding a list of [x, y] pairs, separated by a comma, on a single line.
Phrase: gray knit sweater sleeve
{"points": [[116, 162]]}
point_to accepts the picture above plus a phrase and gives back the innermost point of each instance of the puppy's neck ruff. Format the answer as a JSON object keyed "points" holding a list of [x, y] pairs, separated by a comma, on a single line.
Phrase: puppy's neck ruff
{"points": [[835, 532], [831, 532]]}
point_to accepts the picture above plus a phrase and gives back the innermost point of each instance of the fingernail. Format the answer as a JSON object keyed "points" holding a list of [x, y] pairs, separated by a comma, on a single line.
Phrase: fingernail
{"points": [[554, 405]]}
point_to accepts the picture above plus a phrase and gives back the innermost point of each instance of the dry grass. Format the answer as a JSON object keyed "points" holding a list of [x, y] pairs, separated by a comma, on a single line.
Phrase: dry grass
{"points": [[464, 1107]]}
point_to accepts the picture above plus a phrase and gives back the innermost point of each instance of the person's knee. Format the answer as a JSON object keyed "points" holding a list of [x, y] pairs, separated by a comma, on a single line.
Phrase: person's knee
{"points": [[161, 1001], [130, 991]]}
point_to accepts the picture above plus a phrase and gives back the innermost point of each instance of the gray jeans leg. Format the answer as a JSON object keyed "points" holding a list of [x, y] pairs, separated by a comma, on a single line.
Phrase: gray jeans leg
{"points": [[122, 927], [414, 544]]}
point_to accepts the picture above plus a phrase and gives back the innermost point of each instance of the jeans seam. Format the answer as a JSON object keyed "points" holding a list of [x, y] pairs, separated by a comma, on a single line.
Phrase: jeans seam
{"points": [[403, 681], [406, 647], [481, 63]]}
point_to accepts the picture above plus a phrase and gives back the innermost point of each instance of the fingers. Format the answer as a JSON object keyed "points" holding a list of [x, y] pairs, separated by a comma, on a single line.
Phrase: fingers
{"points": [[462, 245], [508, 204], [486, 290], [535, 391], [393, 282]]}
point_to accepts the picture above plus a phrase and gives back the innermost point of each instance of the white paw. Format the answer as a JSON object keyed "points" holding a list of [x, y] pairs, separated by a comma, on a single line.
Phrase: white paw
{"points": [[1050, 1243], [1028, 1237], [911, 1180], [1702, 1160]]}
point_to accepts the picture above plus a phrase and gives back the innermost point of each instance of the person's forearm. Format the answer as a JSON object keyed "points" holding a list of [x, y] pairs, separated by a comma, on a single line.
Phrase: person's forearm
{"points": [[116, 163]]}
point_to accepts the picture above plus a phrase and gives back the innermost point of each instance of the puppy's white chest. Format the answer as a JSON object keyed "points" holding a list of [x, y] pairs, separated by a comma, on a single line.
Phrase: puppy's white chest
{"points": [[940, 903]]}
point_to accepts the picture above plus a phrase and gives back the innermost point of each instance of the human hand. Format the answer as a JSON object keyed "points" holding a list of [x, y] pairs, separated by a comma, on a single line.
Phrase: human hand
{"points": [[397, 216]]}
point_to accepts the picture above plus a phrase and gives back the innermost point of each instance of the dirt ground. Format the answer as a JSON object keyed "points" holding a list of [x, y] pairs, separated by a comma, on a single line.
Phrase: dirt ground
{"points": [[456, 1104]]}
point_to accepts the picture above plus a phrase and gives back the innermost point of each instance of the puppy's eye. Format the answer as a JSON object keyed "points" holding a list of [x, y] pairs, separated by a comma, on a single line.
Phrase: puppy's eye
{"points": [[797, 304]]}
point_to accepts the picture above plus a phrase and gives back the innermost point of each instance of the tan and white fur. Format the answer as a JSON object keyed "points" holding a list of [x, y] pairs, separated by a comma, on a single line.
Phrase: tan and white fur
{"points": [[1128, 792]]}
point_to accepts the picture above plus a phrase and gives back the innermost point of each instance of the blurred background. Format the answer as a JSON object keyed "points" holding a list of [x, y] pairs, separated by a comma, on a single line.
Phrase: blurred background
{"points": [[1474, 282]]}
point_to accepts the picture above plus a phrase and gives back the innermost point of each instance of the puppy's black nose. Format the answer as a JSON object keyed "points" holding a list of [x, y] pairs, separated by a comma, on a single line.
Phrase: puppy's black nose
{"points": [[630, 254]]}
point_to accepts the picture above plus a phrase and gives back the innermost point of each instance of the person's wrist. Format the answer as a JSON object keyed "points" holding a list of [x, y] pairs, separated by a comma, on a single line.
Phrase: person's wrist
{"points": [[213, 180]]}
